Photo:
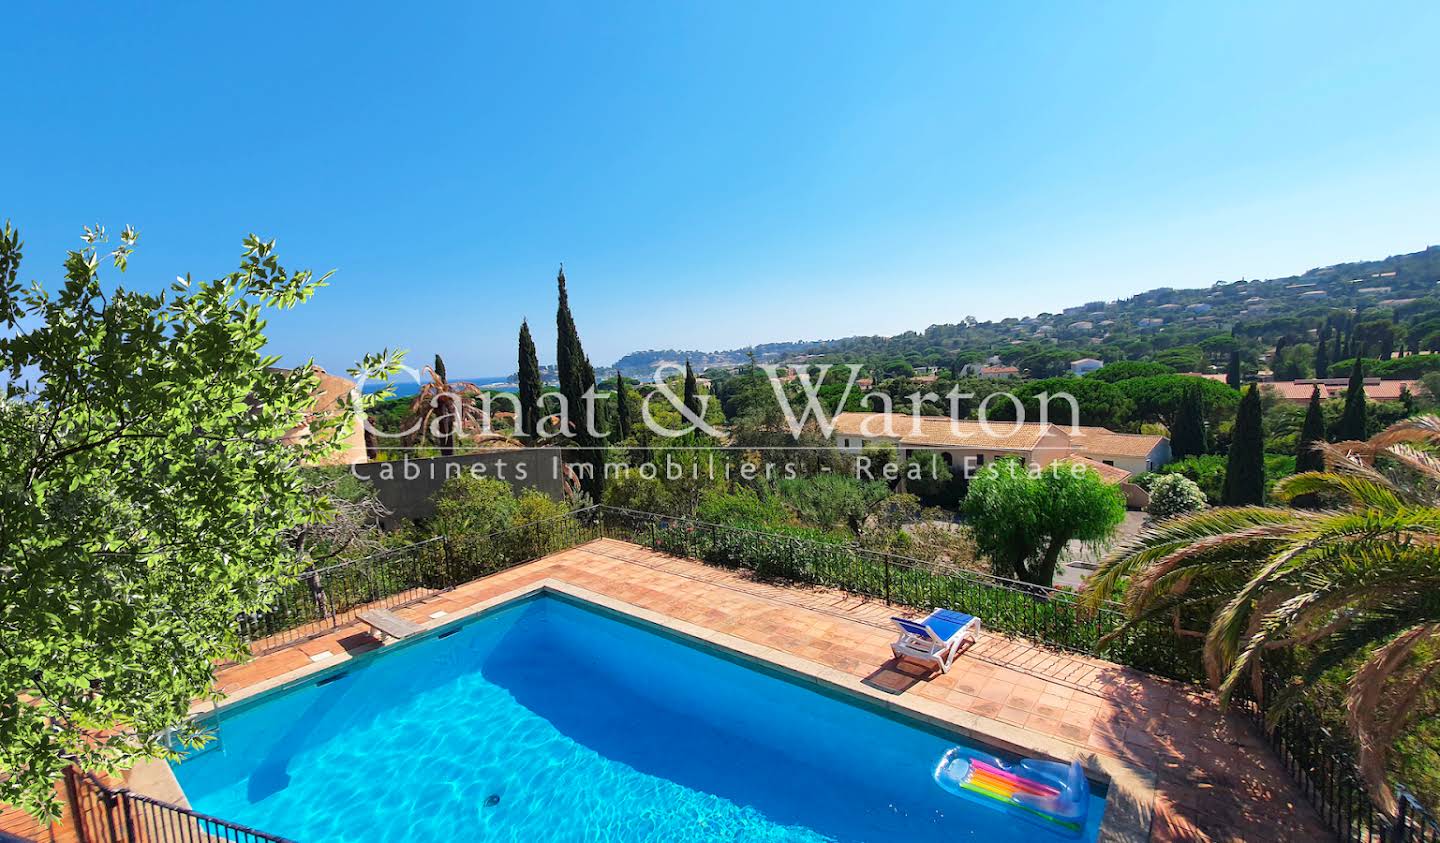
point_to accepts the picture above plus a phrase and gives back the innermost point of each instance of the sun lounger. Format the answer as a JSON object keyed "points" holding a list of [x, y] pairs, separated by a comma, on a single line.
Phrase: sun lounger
{"points": [[937, 639]]}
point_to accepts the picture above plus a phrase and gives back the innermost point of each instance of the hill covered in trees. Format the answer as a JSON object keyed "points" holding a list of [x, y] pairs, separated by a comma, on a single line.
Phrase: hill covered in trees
{"points": [[1388, 305]]}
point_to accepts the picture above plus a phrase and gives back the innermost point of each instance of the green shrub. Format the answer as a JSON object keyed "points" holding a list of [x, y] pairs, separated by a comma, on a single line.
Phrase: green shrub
{"points": [[1174, 494]]}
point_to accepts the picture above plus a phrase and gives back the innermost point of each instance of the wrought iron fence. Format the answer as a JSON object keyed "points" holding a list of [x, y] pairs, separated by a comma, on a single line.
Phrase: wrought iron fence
{"points": [[1050, 616], [1324, 768], [104, 814], [331, 597]]}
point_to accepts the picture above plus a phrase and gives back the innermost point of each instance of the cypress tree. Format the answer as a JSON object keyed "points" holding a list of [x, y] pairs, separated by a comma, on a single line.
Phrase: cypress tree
{"points": [[692, 391], [1352, 420], [1322, 359], [1245, 469], [1232, 374], [1407, 400], [1306, 458], [577, 376], [622, 407], [446, 410], [569, 356], [527, 422], [1187, 434]]}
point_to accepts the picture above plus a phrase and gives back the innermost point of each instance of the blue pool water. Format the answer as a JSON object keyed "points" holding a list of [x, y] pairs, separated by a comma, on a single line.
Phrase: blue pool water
{"points": [[576, 725]]}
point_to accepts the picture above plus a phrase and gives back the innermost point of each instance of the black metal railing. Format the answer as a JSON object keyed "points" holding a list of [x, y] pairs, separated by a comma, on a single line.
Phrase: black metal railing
{"points": [[1322, 764], [331, 597], [1050, 616], [104, 814]]}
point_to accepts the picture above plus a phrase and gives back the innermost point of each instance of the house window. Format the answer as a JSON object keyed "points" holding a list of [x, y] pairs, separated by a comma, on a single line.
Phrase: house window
{"points": [[1108, 462], [846, 443], [945, 455]]}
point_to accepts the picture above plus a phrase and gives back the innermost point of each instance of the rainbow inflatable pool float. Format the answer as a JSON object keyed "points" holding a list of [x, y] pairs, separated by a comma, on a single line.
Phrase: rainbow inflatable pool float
{"points": [[1054, 793]]}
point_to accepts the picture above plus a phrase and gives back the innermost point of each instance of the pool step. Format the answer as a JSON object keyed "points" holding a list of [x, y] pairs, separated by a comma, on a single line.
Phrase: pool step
{"points": [[384, 623]]}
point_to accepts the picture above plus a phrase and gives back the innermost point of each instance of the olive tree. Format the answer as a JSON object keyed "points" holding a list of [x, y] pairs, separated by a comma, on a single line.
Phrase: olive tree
{"points": [[149, 496], [1023, 517]]}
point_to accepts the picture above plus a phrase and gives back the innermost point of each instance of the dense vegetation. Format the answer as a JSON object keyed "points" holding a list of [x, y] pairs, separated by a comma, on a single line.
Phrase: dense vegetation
{"points": [[150, 497]]}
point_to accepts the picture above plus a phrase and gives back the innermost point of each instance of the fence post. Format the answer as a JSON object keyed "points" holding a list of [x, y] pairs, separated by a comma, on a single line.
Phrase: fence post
{"points": [[77, 813], [107, 797], [887, 580], [128, 815], [1400, 829], [449, 563]]}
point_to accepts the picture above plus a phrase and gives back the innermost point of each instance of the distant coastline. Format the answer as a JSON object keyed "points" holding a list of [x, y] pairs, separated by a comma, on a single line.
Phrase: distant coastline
{"points": [[405, 389]]}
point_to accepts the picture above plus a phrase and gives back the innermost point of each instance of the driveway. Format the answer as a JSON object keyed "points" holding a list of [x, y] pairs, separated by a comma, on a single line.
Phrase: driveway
{"points": [[1082, 559]]}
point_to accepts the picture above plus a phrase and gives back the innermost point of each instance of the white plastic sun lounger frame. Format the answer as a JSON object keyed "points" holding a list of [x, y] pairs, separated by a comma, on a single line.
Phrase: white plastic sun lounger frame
{"points": [[931, 649]]}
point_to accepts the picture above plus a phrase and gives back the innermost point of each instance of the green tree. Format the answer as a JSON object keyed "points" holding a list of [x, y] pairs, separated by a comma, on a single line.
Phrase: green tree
{"points": [[1312, 433], [622, 407], [1232, 372], [1126, 369], [1101, 404], [1245, 469], [692, 392], [1188, 434], [1348, 589], [527, 421], [1023, 520], [577, 377], [1322, 358], [1160, 397], [148, 493], [1352, 421]]}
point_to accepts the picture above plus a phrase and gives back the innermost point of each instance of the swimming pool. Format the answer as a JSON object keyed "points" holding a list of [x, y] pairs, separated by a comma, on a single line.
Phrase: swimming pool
{"points": [[548, 719]]}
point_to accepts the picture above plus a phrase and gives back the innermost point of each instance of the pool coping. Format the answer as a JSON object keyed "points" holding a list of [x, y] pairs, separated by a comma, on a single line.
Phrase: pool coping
{"points": [[1131, 790]]}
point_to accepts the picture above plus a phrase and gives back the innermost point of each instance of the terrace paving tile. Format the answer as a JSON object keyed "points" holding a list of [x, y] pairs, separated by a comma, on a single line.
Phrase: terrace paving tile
{"points": [[1212, 775]]}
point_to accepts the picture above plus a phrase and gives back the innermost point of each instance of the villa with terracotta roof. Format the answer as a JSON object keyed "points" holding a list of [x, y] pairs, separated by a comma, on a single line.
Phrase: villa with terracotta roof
{"points": [[970, 445], [1376, 389]]}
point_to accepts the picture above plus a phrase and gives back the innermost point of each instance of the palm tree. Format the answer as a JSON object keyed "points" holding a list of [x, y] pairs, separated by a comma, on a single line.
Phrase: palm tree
{"points": [[441, 409], [1354, 582]]}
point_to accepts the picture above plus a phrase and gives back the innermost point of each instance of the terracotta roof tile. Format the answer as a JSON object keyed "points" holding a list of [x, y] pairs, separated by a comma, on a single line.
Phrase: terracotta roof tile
{"points": [[937, 431], [1092, 441], [1108, 473]]}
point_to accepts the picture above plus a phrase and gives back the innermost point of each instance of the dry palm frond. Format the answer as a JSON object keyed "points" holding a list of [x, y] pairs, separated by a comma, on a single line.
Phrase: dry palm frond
{"points": [[442, 411], [1376, 717]]}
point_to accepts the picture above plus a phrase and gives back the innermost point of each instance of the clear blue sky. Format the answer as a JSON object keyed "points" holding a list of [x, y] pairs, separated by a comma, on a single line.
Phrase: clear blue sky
{"points": [[720, 173]]}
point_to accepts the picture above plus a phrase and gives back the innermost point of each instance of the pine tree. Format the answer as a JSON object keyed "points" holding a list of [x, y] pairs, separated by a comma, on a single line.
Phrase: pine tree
{"points": [[692, 392], [527, 421], [1407, 400], [1245, 469], [1322, 358], [1313, 431], [440, 369], [1232, 374], [1352, 420], [1187, 434], [622, 407]]}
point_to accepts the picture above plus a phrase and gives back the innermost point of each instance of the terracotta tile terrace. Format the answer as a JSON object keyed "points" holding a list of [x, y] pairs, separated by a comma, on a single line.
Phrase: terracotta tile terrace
{"points": [[1178, 767]]}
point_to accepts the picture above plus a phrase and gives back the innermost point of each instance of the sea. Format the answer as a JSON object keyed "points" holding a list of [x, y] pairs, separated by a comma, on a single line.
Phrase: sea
{"points": [[405, 388]]}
